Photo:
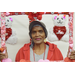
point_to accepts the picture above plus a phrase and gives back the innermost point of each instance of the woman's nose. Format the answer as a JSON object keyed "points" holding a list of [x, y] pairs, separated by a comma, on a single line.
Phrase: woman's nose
{"points": [[37, 33]]}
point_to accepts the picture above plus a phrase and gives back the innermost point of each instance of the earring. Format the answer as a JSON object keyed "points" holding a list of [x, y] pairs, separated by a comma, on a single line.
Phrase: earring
{"points": [[45, 40]]}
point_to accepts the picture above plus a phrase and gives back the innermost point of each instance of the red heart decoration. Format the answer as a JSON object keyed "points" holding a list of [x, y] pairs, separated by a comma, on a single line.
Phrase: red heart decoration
{"points": [[62, 29], [8, 33]]}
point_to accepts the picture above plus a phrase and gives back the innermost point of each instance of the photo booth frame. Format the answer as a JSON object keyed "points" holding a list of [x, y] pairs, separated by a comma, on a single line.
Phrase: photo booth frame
{"points": [[3, 28]]}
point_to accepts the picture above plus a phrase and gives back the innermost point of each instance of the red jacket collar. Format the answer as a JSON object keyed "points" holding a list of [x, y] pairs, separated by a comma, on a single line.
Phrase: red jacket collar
{"points": [[26, 46], [51, 46]]}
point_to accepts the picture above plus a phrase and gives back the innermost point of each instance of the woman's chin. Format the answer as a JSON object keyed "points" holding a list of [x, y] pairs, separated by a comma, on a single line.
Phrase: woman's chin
{"points": [[38, 42]]}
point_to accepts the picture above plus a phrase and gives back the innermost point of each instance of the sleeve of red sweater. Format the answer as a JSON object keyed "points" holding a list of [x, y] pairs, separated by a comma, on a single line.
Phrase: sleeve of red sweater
{"points": [[58, 54], [18, 56]]}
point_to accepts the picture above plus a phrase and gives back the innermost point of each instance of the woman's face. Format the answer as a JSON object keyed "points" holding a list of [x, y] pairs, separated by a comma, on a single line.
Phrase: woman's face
{"points": [[38, 34]]}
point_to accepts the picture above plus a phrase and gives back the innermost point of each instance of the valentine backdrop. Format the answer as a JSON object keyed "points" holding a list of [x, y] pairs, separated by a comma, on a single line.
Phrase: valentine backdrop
{"points": [[21, 23]]}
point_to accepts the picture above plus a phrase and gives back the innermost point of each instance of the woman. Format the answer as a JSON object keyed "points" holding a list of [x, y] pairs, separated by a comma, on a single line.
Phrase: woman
{"points": [[38, 49]]}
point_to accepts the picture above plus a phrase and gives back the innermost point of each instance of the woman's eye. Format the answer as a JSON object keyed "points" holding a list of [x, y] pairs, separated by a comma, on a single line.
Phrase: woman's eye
{"points": [[33, 32], [40, 31]]}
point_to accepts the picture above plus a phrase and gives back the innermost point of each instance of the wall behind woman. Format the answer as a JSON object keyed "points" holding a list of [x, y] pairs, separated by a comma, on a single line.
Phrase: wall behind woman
{"points": [[20, 25]]}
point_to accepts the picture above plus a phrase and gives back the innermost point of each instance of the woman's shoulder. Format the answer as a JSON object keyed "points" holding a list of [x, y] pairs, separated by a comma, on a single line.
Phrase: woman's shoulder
{"points": [[22, 51], [51, 44], [26, 46], [56, 52]]}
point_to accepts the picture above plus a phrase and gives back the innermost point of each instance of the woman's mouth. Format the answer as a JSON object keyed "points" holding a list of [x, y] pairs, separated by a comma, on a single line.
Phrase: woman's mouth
{"points": [[37, 38]]}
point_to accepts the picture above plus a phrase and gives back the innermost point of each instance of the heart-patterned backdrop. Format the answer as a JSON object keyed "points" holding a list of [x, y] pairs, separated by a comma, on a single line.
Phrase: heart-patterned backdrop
{"points": [[20, 25]]}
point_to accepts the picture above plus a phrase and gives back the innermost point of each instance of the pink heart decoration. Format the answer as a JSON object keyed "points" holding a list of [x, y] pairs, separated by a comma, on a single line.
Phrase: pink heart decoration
{"points": [[71, 41], [71, 45], [3, 14], [7, 60], [7, 13], [41, 60], [3, 44], [3, 27], [3, 22], [3, 31]]}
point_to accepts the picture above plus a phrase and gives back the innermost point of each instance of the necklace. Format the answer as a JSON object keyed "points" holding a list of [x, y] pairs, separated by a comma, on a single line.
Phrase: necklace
{"points": [[44, 53]]}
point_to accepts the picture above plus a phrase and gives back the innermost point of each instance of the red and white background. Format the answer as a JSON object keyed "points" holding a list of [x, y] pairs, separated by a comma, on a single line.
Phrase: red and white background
{"points": [[20, 25]]}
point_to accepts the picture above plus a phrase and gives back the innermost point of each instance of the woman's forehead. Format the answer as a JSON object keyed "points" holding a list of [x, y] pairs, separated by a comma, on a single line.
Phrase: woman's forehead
{"points": [[37, 28]]}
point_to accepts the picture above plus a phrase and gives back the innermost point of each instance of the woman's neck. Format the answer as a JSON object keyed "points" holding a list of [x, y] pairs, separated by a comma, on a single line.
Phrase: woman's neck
{"points": [[39, 48]]}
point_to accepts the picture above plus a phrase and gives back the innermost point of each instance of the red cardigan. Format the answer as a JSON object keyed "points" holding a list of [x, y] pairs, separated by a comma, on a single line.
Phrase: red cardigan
{"points": [[54, 53]]}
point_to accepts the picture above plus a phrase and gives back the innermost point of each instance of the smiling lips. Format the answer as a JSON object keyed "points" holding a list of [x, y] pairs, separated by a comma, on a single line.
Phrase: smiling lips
{"points": [[38, 39]]}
